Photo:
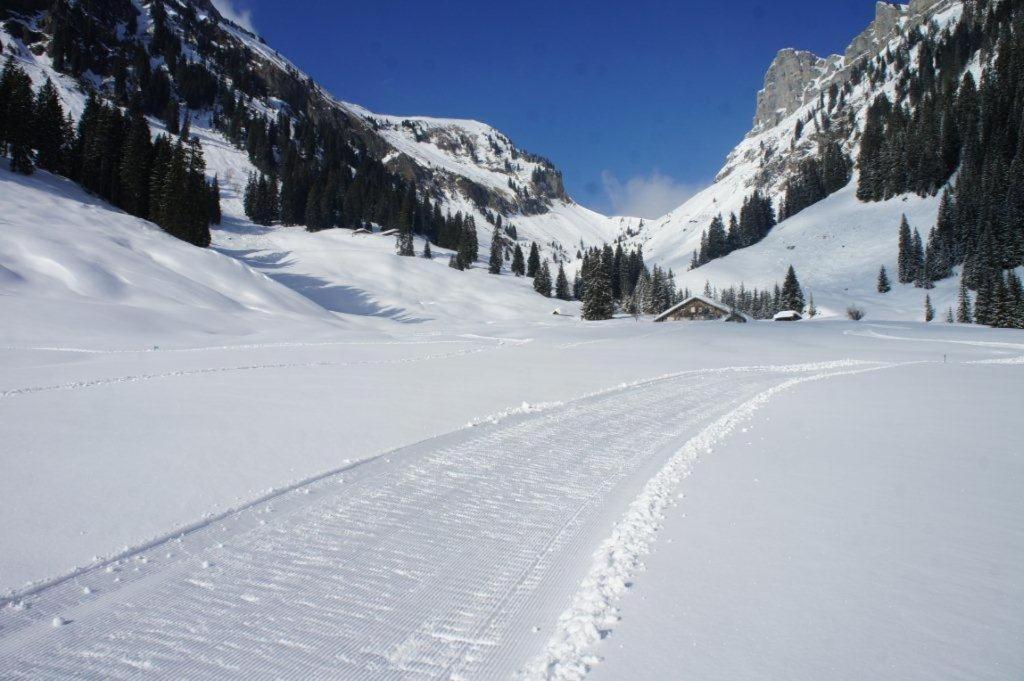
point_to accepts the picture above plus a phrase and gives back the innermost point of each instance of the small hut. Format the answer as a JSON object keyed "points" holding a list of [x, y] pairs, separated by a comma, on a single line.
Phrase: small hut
{"points": [[788, 316], [698, 308]]}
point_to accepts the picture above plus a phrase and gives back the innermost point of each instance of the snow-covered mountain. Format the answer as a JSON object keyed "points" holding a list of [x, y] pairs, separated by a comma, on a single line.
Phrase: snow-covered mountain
{"points": [[838, 244], [464, 165]]}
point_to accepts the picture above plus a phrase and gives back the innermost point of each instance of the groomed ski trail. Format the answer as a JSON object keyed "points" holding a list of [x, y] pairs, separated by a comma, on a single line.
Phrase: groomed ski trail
{"points": [[452, 558]]}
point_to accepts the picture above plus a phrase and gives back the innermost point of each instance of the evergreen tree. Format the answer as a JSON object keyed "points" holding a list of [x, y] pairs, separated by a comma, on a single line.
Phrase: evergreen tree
{"points": [[48, 129], [404, 243], [883, 281], [172, 117], [929, 311], [542, 281], [533, 262], [214, 204], [641, 302], [468, 250], [949, 316], [792, 296], [660, 296], [906, 270], [497, 258], [455, 262], [917, 264], [598, 303], [518, 264], [562, 291], [16, 101], [135, 169], [716, 245], [426, 250]]}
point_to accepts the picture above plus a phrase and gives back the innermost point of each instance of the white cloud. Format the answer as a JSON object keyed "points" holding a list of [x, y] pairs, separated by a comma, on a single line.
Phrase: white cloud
{"points": [[242, 17], [646, 196]]}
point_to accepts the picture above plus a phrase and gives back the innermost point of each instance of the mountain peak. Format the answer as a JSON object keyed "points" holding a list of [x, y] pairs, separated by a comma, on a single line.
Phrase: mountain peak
{"points": [[785, 85]]}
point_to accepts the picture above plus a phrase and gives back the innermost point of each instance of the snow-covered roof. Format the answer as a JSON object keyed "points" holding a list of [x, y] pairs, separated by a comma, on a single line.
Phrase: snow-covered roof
{"points": [[788, 314], [678, 306]]}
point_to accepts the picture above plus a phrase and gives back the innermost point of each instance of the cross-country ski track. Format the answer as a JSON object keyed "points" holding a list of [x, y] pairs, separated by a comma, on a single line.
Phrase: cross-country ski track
{"points": [[470, 555]]}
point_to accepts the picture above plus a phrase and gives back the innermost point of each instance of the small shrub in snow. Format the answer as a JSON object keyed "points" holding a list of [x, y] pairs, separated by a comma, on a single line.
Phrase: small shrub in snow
{"points": [[855, 313]]}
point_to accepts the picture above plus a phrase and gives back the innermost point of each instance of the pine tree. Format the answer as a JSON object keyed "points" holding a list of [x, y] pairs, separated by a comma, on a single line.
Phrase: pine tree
{"points": [[929, 311], [949, 316], [920, 274], [983, 302], [1003, 307], [598, 303], [533, 262], [404, 244], [640, 300], [542, 281], [214, 208], [812, 311], [562, 285], [426, 250], [906, 271], [48, 129], [660, 298], [883, 281], [1014, 300], [497, 258], [518, 264], [455, 262], [135, 167], [172, 117], [792, 296], [717, 240], [16, 88], [964, 314]]}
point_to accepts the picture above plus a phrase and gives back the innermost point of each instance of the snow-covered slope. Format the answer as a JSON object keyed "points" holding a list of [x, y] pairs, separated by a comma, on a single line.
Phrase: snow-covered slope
{"points": [[355, 273], [72, 267], [849, 240], [836, 247]]}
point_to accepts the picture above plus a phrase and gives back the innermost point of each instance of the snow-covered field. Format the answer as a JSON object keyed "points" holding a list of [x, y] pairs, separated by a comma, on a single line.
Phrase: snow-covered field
{"points": [[300, 456], [876, 539], [325, 510]]}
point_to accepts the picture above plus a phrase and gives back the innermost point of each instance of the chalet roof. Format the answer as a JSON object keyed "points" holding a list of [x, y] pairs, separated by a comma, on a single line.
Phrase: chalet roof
{"points": [[678, 306], [788, 314]]}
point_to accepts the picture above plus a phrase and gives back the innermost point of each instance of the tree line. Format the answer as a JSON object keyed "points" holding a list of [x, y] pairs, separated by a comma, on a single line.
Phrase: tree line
{"points": [[756, 219], [111, 153], [765, 303], [943, 122]]}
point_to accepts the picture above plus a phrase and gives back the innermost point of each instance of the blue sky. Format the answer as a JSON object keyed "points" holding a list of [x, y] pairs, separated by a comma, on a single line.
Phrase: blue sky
{"points": [[637, 101]]}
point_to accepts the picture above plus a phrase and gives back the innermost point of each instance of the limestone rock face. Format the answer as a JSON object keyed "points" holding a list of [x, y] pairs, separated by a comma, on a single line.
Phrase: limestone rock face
{"points": [[785, 84], [922, 6], [878, 32]]}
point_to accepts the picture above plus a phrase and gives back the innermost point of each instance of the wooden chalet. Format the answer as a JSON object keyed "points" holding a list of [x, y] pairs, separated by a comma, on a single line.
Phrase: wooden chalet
{"points": [[698, 308]]}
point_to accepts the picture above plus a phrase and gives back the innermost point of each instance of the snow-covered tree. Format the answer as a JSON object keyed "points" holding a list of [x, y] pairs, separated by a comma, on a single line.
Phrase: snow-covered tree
{"points": [[883, 281], [562, 291], [542, 281], [792, 297]]}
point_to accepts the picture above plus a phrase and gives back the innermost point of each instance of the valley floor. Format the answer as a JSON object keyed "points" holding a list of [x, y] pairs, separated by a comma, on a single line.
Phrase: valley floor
{"points": [[429, 501]]}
